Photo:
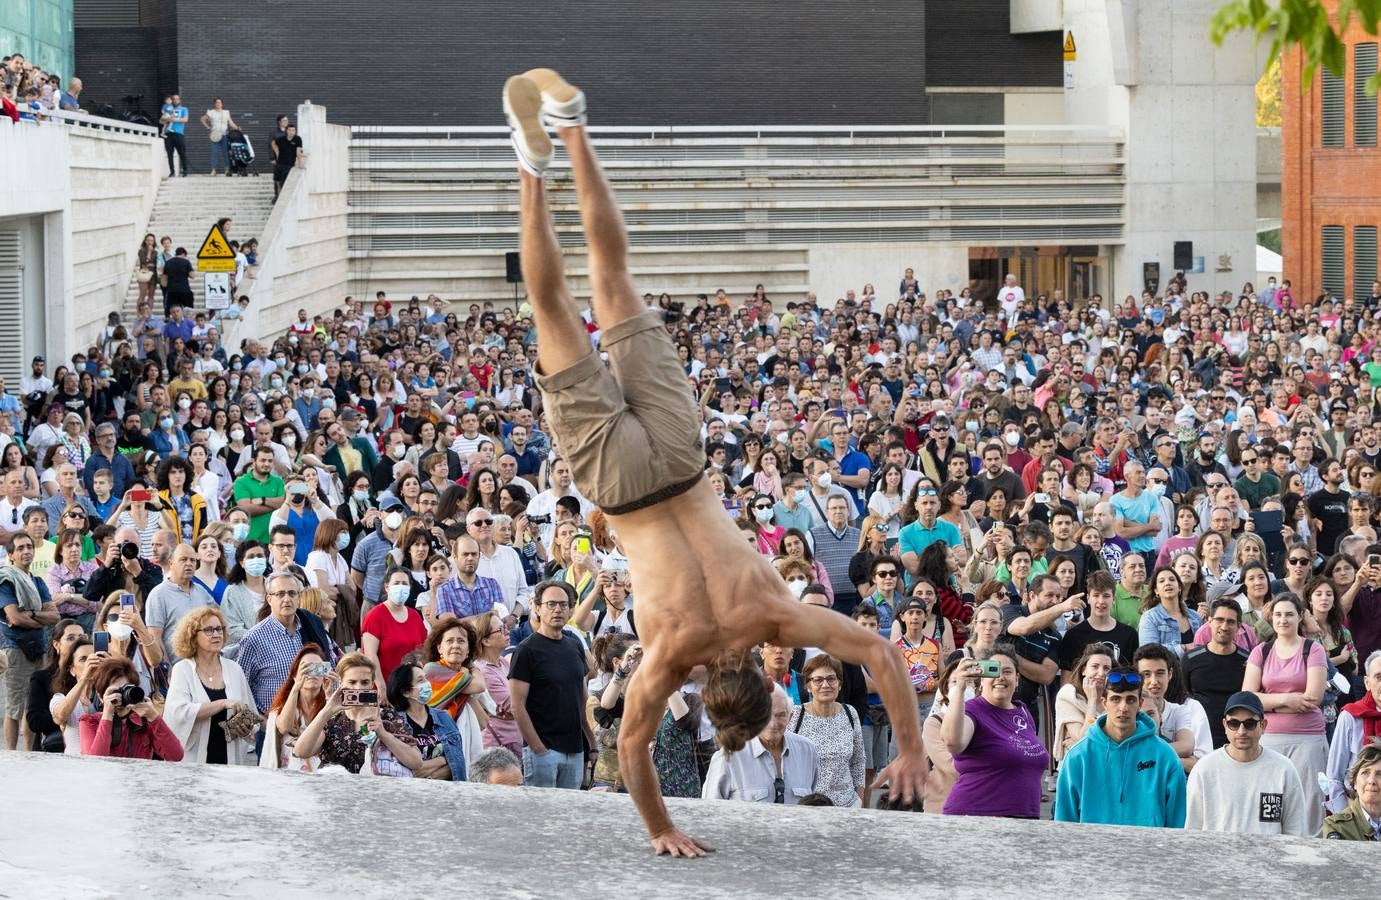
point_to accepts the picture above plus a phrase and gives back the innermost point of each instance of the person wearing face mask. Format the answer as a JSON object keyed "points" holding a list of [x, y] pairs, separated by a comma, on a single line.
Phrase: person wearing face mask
{"points": [[792, 510], [392, 630], [236, 455], [438, 739], [168, 438], [759, 514], [308, 402], [303, 512], [822, 488], [370, 561]]}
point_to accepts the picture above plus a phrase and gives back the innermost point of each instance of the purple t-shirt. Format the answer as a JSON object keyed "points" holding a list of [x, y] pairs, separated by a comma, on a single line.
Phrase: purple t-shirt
{"points": [[1000, 770]]}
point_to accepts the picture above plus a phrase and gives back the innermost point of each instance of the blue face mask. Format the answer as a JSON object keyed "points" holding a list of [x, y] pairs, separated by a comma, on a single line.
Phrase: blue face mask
{"points": [[165, 422], [256, 567], [424, 692], [361, 496], [1156, 490], [343, 540]]}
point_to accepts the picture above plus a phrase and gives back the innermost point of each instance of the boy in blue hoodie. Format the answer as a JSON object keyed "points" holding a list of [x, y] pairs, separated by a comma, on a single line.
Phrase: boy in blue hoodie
{"points": [[1122, 773]]}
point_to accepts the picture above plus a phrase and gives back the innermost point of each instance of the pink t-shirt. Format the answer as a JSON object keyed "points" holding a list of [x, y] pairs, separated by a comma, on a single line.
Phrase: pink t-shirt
{"points": [[1286, 676]]}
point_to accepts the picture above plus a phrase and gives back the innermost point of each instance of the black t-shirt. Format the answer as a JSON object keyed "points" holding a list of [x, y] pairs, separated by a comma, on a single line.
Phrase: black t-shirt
{"points": [[555, 673], [1331, 510], [215, 743], [287, 151], [1082, 557], [1007, 480], [179, 270], [1122, 641], [1035, 648], [1212, 679]]}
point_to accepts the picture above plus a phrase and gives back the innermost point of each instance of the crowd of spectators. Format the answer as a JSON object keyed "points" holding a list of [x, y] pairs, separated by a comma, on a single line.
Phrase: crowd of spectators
{"points": [[1128, 553], [28, 94]]}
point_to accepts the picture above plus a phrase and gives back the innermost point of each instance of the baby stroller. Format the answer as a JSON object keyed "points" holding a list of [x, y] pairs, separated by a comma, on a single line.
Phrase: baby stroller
{"points": [[241, 153]]}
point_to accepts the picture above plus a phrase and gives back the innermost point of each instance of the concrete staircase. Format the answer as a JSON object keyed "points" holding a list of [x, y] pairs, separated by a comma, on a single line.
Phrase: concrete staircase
{"points": [[186, 209]]}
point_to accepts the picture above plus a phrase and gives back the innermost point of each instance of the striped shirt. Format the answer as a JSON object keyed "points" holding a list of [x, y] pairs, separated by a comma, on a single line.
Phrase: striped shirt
{"points": [[455, 598]]}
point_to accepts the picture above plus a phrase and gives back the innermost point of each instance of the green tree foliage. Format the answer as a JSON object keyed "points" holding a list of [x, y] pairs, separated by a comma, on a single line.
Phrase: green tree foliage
{"points": [[1301, 23], [1268, 95]]}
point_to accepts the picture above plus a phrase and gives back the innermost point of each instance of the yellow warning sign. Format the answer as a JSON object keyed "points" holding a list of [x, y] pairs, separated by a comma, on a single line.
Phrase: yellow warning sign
{"points": [[215, 254], [1070, 50]]}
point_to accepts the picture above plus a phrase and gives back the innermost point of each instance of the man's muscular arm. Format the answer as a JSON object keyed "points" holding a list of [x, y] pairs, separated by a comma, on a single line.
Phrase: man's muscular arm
{"points": [[642, 713], [814, 626]]}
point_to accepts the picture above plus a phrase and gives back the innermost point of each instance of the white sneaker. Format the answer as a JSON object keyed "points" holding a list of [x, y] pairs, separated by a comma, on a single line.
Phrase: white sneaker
{"points": [[522, 106], [562, 102]]}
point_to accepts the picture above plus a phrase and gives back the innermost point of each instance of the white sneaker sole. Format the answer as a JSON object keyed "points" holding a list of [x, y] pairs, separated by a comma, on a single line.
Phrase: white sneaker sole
{"points": [[522, 106], [563, 104]]}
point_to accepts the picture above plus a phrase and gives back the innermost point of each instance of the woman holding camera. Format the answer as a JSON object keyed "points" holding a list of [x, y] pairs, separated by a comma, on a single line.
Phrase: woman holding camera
{"points": [[297, 703], [352, 728], [131, 639], [209, 698], [125, 724], [999, 757]]}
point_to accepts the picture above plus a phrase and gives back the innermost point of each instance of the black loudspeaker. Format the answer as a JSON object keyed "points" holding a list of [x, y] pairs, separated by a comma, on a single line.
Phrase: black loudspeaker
{"points": [[1184, 255], [513, 269]]}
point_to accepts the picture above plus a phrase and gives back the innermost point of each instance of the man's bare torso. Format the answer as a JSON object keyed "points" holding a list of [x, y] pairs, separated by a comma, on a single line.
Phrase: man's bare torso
{"points": [[700, 587]]}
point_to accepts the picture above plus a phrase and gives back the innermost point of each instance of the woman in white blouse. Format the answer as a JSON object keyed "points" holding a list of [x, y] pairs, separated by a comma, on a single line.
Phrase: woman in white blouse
{"points": [[205, 690]]}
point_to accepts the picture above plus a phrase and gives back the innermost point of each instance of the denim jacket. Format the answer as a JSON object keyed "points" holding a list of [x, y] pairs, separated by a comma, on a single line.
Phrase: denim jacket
{"points": [[451, 745], [1159, 627]]}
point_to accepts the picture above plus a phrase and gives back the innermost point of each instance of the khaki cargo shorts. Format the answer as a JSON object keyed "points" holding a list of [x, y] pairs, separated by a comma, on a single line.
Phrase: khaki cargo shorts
{"points": [[631, 430]]}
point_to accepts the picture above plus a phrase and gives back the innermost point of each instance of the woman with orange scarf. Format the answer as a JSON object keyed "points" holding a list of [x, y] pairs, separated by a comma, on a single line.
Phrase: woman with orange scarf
{"points": [[457, 687]]}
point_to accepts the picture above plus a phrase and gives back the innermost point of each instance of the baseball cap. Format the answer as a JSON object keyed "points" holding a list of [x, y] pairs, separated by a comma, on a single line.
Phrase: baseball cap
{"points": [[913, 603], [42, 359], [388, 501], [1245, 700]]}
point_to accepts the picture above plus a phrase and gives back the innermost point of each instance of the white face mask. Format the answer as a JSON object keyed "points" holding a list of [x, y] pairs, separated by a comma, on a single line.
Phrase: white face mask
{"points": [[797, 586], [1012, 438], [763, 515], [119, 631], [393, 521], [825, 481], [237, 434]]}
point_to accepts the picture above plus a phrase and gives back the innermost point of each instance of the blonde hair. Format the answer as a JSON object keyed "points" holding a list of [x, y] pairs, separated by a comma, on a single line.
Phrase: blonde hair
{"points": [[185, 634], [311, 600]]}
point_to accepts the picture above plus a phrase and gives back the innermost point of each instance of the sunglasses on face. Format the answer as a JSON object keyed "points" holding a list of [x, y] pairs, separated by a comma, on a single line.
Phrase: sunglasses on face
{"points": [[1298, 561], [1241, 724], [1130, 679]]}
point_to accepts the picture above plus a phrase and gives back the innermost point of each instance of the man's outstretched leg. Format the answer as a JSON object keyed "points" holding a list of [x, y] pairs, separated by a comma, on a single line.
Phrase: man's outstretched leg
{"points": [[563, 340], [636, 440]]}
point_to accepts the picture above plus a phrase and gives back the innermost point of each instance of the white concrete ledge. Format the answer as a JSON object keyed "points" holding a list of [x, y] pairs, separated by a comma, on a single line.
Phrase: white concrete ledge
{"points": [[108, 828]]}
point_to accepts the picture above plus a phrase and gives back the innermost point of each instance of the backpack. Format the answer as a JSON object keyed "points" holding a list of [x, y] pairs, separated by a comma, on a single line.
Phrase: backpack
{"points": [[1330, 693], [801, 715]]}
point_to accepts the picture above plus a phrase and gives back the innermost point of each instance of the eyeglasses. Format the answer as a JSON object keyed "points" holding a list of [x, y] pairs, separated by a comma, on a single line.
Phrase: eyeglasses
{"points": [[823, 681], [778, 790], [213, 629], [1298, 560], [1127, 678], [482, 523], [927, 492], [277, 546], [762, 506], [555, 604], [283, 594], [1241, 724], [890, 573]]}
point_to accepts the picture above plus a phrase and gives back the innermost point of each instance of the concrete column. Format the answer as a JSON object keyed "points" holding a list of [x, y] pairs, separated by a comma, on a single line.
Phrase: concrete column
{"points": [[1188, 110]]}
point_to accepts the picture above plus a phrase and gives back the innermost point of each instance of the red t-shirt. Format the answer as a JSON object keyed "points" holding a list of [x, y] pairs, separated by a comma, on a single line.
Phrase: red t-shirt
{"points": [[396, 639]]}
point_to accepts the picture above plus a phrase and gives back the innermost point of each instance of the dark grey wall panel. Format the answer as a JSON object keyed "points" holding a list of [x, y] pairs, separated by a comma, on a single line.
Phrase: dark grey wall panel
{"points": [[721, 62], [969, 44], [114, 62]]}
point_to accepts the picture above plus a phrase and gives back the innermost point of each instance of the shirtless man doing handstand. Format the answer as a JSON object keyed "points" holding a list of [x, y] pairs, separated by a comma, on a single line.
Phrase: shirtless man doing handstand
{"points": [[631, 432]]}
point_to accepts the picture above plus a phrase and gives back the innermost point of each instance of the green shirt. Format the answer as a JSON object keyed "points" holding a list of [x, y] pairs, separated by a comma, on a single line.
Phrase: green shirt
{"points": [[1373, 370], [1126, 607], [247, 487], [1254, 492]]}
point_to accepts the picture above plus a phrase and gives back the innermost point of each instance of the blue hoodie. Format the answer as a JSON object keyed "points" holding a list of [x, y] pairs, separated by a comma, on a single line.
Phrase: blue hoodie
{"points": [[1137, 782]]}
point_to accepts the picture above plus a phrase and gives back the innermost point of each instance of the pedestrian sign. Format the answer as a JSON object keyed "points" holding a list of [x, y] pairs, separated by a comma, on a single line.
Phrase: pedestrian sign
{"points": [[1070, 50], [215, 254]]}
